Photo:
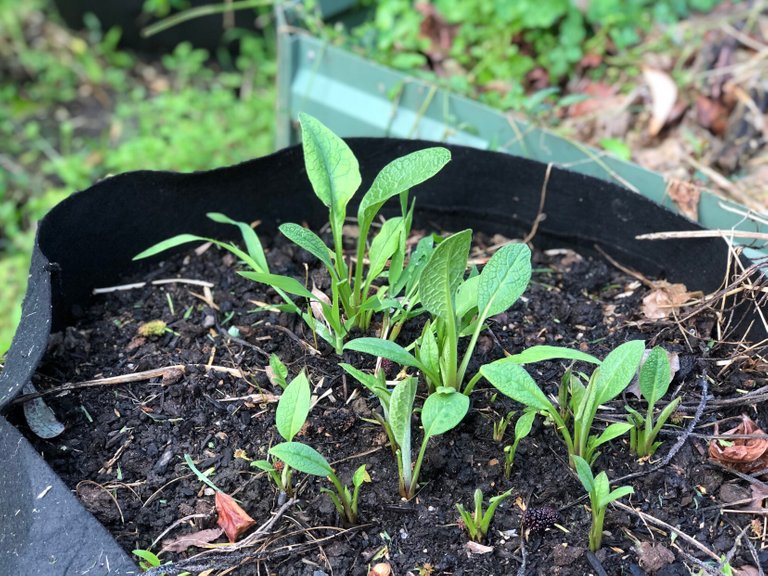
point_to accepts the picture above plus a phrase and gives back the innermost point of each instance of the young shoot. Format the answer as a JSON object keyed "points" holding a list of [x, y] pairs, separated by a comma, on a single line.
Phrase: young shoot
{"points": [[654, 380], [308, 460], [608, 380], [442, 411], [522, 429], [457, 308], [477, 522], [600, 495], [334, 175], [500, 426], [290, 417]]}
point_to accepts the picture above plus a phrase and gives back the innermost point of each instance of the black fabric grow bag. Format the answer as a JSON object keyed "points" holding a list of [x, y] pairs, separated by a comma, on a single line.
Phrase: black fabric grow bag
{"points": [[89, 241]]}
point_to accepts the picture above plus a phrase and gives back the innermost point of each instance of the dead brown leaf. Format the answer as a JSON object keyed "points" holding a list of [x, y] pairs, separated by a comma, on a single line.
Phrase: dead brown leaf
{"points": [[759, 493], [741, 454], [712, 115], [663, 97], [686, 196], [664, 299], [195, 540], [653, 557], [316, 307], [746, 571], [232, 518], [435, 28], [474, 548]]}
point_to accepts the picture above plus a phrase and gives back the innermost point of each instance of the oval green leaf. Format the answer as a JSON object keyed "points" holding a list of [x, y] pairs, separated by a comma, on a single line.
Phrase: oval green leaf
{"points": [[514, 381], [400, 410], [544, 352], [303, 458], [655, 375], [504, 279], [617, 370], [443, 410], [293, 407], [385, 349], [443, 273]]}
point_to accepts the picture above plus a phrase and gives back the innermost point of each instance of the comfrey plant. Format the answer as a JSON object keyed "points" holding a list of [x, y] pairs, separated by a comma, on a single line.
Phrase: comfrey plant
{"points": [[334, 174], [579, 402], [442, 411], [655, 377], [600, 495], [290, 417], [478, 521], [308, 460], [457, 308]]}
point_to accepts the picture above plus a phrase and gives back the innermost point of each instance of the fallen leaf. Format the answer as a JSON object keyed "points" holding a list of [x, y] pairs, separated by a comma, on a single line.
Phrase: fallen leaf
{"points": [[712, 115], [195, 540], [317, 308], [741, 454], [759, 493], [474, 548], [653, 557], [380, 569], [686, 196], [663, 97], [437, 30], [746, 571], [232, 519], [600, 96], [664, 299]]}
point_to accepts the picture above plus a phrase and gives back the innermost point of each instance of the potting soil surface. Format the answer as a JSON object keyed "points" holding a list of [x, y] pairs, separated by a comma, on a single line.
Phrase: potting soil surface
{"points": [[124, 444]]}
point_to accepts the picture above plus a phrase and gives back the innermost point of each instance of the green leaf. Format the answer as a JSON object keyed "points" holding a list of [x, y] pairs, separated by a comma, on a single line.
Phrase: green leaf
{"points": [[613, 431], [285, 283], [293, 407], [385, 349], [369, 381], [619, 492], [442, 274], [617, 370], [331, 166], [384, 246], [655, 376], [504, 279], [308, 240], [303, 458], [443, 410], [601, 487], [361, 475], [252, 242], [544, 352], [149, 557], [401, 175], [279, 369], [466, 296], [400, 410], [168, 244], [429, 354], [524, 424], [265, 465], [585, 473], [513, 381]]}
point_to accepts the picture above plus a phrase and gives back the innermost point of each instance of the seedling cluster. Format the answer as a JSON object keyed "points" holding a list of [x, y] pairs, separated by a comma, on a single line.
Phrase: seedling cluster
{"points": [[387, 279]]}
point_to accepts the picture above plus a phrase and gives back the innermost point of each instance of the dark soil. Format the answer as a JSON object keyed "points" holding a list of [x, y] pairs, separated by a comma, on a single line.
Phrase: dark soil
{"points": [[124, 445]]}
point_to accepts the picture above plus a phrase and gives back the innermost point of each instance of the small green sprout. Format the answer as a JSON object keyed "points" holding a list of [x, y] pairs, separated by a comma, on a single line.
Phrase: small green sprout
{"points": [[442, 411], [600, 495], [290, 417], [500, 426], [308, 460], [278, 372], [477, 522], [457, 308], [522, 429], [147, 559], [655, 377], [611, 377]]}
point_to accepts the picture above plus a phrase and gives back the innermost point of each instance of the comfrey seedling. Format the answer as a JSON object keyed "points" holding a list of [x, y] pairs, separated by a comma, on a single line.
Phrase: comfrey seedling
{"points": [[522, 429], [477, 522], [290, 417], [442, 411], [580, 401], [334, 174], [308, 460], [457, 308], [655, 377], [600, 495]]}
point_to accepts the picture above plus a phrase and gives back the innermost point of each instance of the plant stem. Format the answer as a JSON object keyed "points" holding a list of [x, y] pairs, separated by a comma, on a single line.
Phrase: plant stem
{"points": [[417, 469]]}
